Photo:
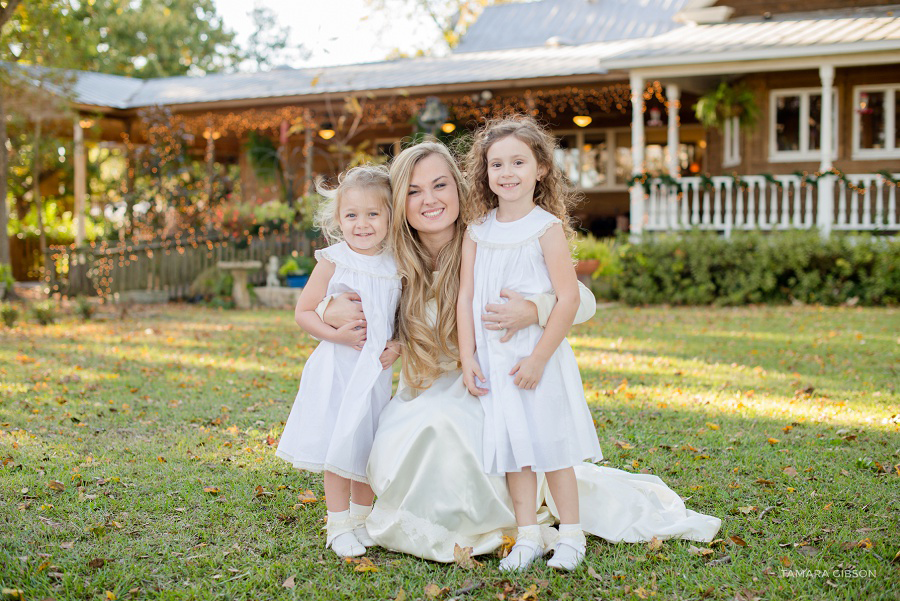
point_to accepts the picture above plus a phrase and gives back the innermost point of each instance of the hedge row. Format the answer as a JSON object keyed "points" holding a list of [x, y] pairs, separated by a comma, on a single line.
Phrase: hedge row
{"points": [[701, 268]]}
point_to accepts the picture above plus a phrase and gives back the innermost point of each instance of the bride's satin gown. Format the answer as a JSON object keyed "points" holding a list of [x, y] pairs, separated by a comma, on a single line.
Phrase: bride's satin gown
{"points": [[432, 493]]}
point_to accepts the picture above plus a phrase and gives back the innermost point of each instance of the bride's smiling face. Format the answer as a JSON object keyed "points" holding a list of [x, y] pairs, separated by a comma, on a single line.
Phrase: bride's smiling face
{"points": [[432, 200]]}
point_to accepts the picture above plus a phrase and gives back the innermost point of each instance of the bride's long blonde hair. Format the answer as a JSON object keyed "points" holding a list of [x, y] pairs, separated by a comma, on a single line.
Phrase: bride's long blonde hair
{"points": [[425, 343]]}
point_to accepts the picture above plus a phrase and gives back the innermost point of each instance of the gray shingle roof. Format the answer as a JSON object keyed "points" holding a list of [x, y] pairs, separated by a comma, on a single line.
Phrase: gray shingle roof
{"points": [[811, 34], [528, 24]]}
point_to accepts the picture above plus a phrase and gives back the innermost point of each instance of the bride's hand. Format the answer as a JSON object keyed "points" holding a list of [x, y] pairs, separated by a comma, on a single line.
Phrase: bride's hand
{"points": [[344, 308], [512, 316]]}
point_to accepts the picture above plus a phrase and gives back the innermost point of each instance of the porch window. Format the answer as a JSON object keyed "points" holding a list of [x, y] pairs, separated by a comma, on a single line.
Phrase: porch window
{"points": [[732, 142], [876, 122], [795, 121]]}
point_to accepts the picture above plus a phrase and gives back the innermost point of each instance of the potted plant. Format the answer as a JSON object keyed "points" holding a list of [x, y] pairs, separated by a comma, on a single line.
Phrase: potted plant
{"points": [[589, 253], [296, 271], [717, 106]]}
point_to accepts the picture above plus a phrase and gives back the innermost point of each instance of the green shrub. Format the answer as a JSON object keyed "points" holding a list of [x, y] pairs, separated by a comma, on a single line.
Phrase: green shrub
{"points": [[7, 278], [44, 312], [84, 308], [705, 268], [587, 247], [211, 283], [9, 313]]}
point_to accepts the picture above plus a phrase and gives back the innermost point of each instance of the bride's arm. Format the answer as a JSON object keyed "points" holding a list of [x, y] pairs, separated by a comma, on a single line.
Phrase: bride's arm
{"points": [[520, 312]]}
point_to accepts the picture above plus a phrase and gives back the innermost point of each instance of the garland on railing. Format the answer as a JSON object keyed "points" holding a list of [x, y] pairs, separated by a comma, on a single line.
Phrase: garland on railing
{"points": [[806, 179]]}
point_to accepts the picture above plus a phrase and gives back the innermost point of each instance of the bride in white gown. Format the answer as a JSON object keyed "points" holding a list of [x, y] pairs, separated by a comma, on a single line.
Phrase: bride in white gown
{"points": [[425, 466]]}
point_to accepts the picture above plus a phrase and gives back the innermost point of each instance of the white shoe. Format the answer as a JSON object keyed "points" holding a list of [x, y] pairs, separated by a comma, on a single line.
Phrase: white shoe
{"points": [[528, 548], [568, 553], [341, 539], [359, 529]]}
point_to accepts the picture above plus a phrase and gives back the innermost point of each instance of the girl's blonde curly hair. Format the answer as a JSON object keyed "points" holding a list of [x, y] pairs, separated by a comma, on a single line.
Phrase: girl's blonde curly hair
{"points": [[370, 177], [552, 193]]}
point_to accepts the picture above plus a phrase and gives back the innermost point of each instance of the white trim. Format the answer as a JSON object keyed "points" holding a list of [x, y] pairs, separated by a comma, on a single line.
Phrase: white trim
{"points": [[748, 65], [892, 145], [804, 153]]}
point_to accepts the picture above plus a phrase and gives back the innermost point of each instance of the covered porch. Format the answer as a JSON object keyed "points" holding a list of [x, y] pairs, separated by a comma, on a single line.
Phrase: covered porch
{"points": [[818, 157]]}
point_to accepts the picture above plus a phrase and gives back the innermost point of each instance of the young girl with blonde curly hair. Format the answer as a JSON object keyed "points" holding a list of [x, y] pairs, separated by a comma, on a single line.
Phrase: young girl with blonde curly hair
{"points": [[537, 419], [346, 382]]}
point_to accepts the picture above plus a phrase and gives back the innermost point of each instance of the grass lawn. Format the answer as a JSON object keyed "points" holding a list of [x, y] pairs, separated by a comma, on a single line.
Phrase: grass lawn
{"points": [[138, 460]]}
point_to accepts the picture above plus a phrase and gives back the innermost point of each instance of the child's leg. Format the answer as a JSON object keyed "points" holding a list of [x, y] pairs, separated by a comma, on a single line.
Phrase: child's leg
{"points": [[361, 497], [529, 546], [569, 551], [340, 535]]}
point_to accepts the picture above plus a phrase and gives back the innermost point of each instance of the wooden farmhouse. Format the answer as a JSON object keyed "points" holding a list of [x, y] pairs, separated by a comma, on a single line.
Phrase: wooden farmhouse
{"points": [[617, 81]]}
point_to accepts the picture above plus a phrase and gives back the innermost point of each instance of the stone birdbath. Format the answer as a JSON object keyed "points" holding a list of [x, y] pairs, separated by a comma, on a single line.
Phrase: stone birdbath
{"points": [[239, 271]]}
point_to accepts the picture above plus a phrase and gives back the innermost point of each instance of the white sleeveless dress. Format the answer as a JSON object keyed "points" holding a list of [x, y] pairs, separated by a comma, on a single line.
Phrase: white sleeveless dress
{"points": [[342, 391], [548, 428]]}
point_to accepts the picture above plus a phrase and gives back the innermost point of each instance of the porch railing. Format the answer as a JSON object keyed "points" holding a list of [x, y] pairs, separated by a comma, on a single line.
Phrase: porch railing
{"points": [[866, 202], [167, 266]]}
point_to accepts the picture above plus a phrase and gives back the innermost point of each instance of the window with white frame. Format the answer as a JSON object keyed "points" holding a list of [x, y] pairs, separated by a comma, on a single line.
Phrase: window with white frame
{"points": [[876, 121], [732, 142], [795, 124]]}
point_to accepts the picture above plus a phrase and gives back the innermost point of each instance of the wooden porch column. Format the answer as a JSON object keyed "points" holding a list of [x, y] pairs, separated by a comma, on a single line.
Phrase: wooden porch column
{"points": [[825, 192], [80, 181], [673, 95], [637, 153]]}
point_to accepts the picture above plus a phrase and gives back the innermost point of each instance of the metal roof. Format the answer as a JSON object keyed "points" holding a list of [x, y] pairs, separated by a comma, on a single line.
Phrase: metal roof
{"points": [[469, 68], [529, 24], [817, 33]]}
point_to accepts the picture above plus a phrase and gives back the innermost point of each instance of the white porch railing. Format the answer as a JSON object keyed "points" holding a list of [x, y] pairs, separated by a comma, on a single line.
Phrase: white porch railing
{"points": [[723, 204]]}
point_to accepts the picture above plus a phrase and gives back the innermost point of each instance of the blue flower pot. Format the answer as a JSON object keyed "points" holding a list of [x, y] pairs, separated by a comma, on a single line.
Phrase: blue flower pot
{"points": [[297, 281]]}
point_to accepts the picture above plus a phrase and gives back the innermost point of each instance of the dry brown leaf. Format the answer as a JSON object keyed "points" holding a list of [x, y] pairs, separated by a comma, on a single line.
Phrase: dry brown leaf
{"points": [[655, 544], [213, 490], [289, 583], [593, 574], [530, 594], [401, 595], [773, 440], [433, 591], [624, 445], [161, 459], [13, 593], [307, 496], [362, 565], [786, 562], [56, 485], [67, 545], [463, 557], [699, 552], [96, 563], [737, 540], [506, 546], [790, 471], [747, 509]]}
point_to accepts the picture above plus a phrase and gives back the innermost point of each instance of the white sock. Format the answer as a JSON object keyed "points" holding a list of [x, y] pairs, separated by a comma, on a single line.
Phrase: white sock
{"points": [[340, 535], [359, 513], [528, 547], [569, 550]]}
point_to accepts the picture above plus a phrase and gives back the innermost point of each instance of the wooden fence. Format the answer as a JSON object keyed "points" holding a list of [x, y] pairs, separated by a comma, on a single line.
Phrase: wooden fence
{"points": [[167, 266]]}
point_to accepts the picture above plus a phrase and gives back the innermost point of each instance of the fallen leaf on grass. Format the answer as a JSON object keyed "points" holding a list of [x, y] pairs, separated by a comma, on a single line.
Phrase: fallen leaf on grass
{"points": [[401, 595], [463, 557], [721, 561], [764, 482], [772, 440], [307, 496], [262, 493], [161, 459], [747, 595], [593, 574], [96, 563], [786, 562], [624, 445], [655, 544], [51, 523], [362, 565], [699, 552], [289, 583], [737, 540], [530, 594], [506, 546], [56, 485], [213, 490], [747, 509], [13, 593], [111, 596], [67, 545], [433, 591], [790, 471], [808, 551]]}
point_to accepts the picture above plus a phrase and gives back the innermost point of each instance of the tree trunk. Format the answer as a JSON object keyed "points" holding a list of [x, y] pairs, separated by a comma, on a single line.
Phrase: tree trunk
{"points": [[38, 201], [4, 172]]}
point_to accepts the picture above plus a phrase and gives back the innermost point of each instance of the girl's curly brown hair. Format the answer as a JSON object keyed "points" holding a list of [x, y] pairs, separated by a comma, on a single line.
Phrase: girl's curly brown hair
{"points": [[552, 193]]}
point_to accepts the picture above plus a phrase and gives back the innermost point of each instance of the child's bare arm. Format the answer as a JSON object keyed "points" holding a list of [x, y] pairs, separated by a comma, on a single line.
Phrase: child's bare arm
{"points": [[528, 371], [465, 319], [305, 311]]}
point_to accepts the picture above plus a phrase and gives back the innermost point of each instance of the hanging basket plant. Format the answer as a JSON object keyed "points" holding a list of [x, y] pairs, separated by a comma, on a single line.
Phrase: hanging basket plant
{"points": [[716, 107]]}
